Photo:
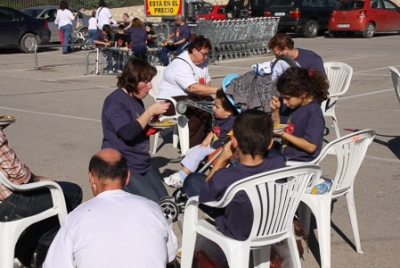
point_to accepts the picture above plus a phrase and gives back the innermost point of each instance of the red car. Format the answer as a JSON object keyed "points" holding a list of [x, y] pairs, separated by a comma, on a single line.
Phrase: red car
{"points": [[365, 17], [216, 12]]}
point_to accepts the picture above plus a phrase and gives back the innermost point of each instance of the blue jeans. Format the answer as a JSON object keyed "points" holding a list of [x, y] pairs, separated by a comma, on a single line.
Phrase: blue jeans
{"points": [[166, 49], [24, 204], [148, 185], [91, 34], [66, 30], [192, 184]]}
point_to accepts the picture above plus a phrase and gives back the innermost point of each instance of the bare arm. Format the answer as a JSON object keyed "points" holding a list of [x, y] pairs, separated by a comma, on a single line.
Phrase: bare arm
{"points": [[202, 89], [221, 160], [207, 140], [299, 142], [157, 108]]}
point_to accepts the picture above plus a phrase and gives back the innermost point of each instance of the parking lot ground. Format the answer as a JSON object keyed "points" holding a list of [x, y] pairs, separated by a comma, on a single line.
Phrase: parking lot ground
{"points": [[59, 129]]}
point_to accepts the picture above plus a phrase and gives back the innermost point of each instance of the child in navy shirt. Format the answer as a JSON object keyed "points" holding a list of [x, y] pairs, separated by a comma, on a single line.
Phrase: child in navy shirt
{"points": [[225, 113], [252, 137], [302, 91]]}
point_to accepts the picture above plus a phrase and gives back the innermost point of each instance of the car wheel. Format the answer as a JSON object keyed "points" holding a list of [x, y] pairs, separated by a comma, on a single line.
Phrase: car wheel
{"points": [[85, 35], [28, 43], [369, 30], [311, 29]]}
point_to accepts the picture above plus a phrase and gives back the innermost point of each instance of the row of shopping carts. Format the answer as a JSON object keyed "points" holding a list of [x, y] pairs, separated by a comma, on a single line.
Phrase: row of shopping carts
{"points": [[238, 37]]}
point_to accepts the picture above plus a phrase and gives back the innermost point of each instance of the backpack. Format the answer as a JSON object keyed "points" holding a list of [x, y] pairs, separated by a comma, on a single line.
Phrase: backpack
{"points": [[254, 91]]}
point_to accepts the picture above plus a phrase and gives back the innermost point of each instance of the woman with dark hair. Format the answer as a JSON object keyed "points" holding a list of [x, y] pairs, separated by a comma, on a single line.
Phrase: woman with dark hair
{"points": [[138, 37], [124, 120], [64, 20]]}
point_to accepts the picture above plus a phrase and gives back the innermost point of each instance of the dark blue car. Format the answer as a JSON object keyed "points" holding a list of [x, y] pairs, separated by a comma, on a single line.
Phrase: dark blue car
{"points": [[19, 30]]}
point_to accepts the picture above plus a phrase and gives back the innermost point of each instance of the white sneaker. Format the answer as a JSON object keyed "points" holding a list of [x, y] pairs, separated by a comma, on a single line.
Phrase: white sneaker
{"points": [[174, 180]]}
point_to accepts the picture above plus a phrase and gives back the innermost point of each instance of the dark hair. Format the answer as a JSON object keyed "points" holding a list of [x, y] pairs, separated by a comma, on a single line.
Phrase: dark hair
{"points": [[281, 41], [121, 27], [103, 170], [149, 24], [220, 94], [94, 13], [64, 5], [136, 22], [102, 3], [107, 28], [253, 130], [135, 71], [198, 43], [294, 81]]}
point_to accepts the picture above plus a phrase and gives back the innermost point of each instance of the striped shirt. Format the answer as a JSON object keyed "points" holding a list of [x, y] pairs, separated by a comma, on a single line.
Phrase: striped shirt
{"points": [[13, 168]]}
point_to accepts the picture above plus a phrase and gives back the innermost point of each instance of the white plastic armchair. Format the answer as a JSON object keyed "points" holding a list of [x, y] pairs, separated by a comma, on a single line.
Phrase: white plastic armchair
{"points": [[395, 79], [181, 130], [274, 203], [350, 151], [339, 75], [11, 231]]}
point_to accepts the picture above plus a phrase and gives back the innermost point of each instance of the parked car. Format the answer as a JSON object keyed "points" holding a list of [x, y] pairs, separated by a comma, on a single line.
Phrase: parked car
{"points": [[49, 13], [216, 12], [364, 16], [306, 16], [246, 8], [19, 30]]}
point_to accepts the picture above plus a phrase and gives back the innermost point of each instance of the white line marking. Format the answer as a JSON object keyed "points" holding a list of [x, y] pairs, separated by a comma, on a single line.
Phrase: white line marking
{"points": [[51, 114], [383, 159], [366, 94]]}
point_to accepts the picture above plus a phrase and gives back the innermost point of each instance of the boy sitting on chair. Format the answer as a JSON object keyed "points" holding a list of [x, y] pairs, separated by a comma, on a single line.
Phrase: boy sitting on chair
{"points": [[252, 137], [225, 113]]}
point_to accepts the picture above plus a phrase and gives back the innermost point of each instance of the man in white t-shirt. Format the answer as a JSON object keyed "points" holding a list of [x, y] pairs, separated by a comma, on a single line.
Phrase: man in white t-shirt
{"points": [[187, 77], [103, 15], [115, 228]]}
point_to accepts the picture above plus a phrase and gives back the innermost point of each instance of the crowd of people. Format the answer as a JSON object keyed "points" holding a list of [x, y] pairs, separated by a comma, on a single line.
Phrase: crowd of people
{"points": [[126, 187]]}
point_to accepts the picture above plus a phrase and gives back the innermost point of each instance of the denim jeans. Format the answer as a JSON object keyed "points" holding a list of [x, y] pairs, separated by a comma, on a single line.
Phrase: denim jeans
{"points": [[192, 184], [24, 204], [148, 185], [91, 34], [66, 30]]}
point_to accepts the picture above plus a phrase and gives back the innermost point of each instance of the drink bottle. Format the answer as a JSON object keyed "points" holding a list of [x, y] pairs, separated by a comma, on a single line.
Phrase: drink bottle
{"points": [[322, 187]]}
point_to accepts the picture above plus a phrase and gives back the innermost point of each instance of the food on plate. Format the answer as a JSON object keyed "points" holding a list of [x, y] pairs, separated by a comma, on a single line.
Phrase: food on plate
{"points": [[164, 123], [5, 117], [279, 126]]}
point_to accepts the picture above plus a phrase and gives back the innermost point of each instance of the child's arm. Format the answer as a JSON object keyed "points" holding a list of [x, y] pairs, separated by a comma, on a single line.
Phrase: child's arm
{"points": [[298, 142], [221, 160], [207, 139], [275, 105]]}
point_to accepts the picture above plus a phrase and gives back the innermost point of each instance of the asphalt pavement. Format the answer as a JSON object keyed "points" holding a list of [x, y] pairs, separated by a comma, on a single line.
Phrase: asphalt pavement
{"points": [[59, 129]]}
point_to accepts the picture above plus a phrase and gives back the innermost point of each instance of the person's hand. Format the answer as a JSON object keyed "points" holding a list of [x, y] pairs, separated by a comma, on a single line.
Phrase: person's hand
{"points": [[275, 103], [159, 107], [227, 151]]}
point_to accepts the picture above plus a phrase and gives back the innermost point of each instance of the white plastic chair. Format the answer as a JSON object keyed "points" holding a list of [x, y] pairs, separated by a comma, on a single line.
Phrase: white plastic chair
{"points": [[181, 130], [395, 79], [350, 151], [274, 204], [11, 231], [339, 75]]}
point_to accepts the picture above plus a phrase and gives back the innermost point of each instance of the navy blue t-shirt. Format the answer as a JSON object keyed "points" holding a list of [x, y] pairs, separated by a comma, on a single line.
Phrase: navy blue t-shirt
{"points": [[310, 60], [309, 124], [181, 32], [119, 109], [138, 36], [220, 129], [236, 219]]}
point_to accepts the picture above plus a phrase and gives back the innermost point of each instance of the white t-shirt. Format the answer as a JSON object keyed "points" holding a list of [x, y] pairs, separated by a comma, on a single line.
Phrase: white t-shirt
{"points": [[103, 16], [92, 24], [114, 229], [180, 74], [64, 17]]}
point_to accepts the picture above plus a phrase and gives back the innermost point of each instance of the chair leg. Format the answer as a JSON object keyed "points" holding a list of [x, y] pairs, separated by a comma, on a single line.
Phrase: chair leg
{"points": [[336, 125], [175, 137], [183, 130], [156, 138], [351, 206], [7, 247], [294, 253], [261, 257], [324, 235]]}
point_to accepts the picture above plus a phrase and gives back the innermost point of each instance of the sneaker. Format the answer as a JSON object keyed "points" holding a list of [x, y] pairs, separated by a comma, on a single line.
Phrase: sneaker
{"points": [[174, 180], [119, 71], [110, 71]]}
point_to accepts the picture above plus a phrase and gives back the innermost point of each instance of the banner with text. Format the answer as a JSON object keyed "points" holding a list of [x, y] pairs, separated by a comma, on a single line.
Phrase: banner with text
{"points": [[160, 8]]}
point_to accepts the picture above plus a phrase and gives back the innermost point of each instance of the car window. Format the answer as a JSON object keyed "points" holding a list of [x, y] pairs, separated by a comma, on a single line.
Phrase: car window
{"points": [[320, 3], [32, 12], [49, 15], [221, 10], [376, 4], [350, 5], [9, 16], [206, 10], [332, 3], [285, 3], [389, 5]]}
